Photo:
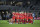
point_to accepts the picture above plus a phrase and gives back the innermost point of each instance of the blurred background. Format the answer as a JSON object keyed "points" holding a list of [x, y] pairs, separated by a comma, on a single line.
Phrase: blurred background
{"points": [[31, 6]]}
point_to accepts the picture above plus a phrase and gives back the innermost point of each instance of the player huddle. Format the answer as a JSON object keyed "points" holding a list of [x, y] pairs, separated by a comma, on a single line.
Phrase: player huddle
{"points": [[22, 18]]}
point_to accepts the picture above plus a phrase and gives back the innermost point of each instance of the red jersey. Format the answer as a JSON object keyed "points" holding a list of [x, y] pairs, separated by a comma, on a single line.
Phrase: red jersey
{"points": [[30, 17], [25, 15], [17, 17], [21, 16], [13, 17]]}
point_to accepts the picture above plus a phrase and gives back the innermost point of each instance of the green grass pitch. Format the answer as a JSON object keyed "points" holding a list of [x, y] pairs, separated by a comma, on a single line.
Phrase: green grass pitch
{"points": [[4, 23]]}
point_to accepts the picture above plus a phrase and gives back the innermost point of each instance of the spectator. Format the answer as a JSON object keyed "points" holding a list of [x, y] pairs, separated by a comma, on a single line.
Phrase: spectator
{"points": [[33, 16], [3, 16], [8, 15]]}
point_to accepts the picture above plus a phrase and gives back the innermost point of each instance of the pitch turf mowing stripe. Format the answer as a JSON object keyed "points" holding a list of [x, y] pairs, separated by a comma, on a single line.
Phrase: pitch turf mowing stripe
{"points": [[19, 25], [3, 24]]}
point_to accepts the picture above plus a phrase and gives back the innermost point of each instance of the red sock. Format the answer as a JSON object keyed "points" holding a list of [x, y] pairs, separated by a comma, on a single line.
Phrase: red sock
{"points": [[27, 21], [23, 21], [16, 21], [31, 22]]}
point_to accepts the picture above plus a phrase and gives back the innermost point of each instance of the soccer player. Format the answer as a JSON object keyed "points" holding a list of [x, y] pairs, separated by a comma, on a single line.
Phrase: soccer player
{"points": [[31, 19], [20, 18], [17, 17], [33, 14], [10, 19], [13, 13], [25, 17], [13, 17], [9, 16]]}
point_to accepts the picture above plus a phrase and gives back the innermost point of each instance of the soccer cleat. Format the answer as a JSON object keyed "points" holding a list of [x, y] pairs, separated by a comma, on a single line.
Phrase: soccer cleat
{"points": [[10, 23]]}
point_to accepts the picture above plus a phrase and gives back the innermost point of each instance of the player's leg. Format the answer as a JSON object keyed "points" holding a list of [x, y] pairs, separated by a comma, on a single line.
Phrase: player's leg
{"points": [[27, 21], [9, 20], [13, 21], [16, 21], [19, 21], [31, 21], [22, 21]]}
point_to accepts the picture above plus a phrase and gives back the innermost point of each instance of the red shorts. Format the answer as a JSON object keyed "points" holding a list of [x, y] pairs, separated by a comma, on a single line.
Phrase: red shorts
{"points": [[30, 17], [20, 17], [23, 21], [20, 20], [17, 18], [25, 17], [13, 17], [30, 21]]}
